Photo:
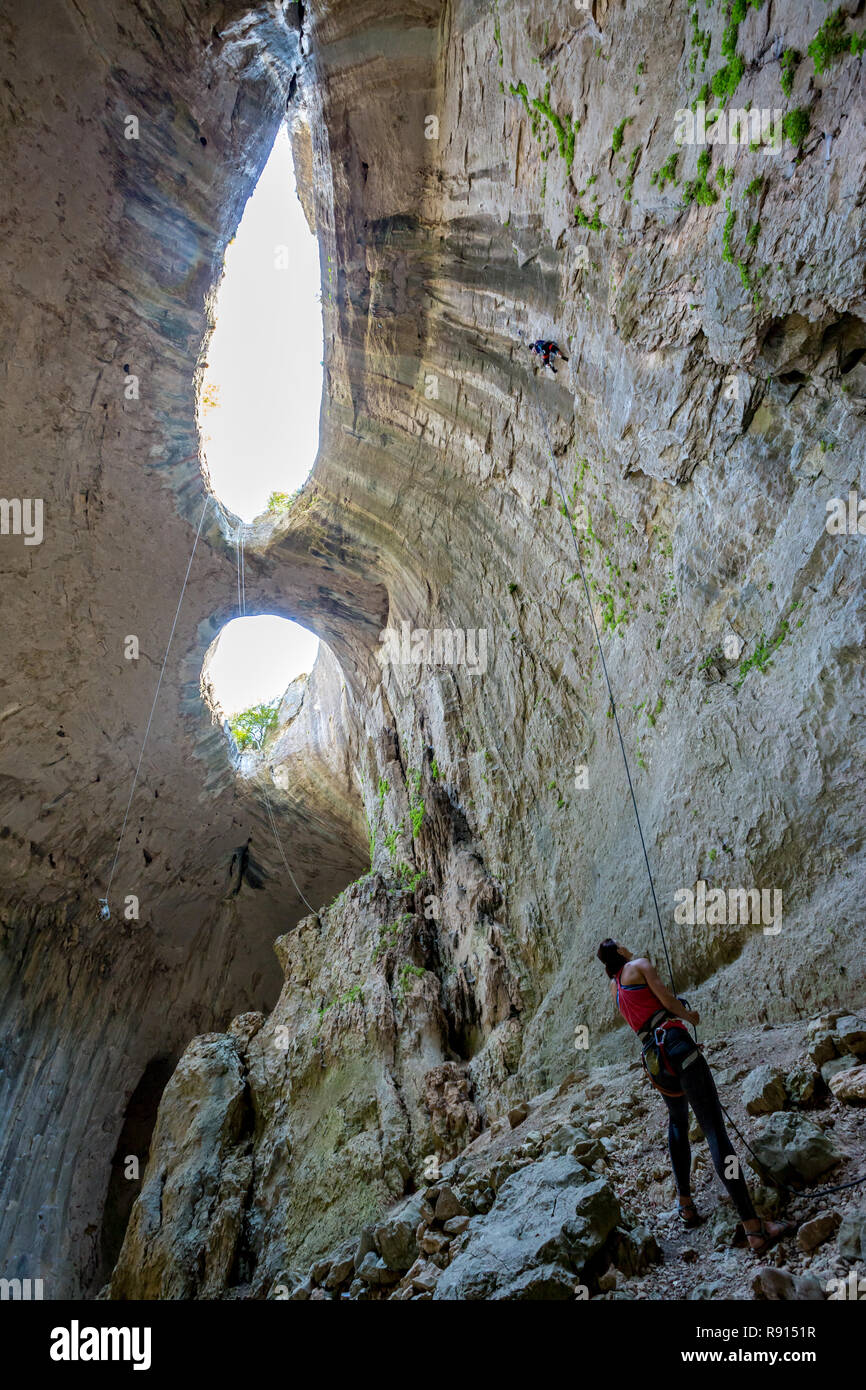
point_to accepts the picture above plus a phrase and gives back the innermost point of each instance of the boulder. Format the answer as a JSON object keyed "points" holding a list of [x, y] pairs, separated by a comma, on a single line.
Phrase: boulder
{"points": [[809, 1288], [721, 1226], [587, 1151], [789, 1147], [835, 1066], [395, 1238], [374, 1271], [448, 1205], [609, 1280], [774, 1285], [424, 1275], [340, 1271], [764, 1090], [851, 1242], [566, 1138], [432, 1243], [548, 1220], [820, 1229], [634, 1251], [544, 1283], [819, 1040], [320, 1271], [850, 1086], [801, 1085], [708, 1293], [364, 1246], [851, 1032]]}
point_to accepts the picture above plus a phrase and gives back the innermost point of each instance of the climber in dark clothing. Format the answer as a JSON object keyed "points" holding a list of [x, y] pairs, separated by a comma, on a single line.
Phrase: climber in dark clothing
{"points": [[651, 1010], [546, 350]]}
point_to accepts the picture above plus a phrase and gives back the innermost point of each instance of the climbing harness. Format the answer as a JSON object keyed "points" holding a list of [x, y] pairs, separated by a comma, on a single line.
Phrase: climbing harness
{"points": [[652, 1056], [104, 909]]}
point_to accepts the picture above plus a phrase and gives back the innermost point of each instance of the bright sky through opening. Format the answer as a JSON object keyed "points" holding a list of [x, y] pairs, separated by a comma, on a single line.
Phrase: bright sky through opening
{"points": [[256, 658], [260, 407], [263, 384]]}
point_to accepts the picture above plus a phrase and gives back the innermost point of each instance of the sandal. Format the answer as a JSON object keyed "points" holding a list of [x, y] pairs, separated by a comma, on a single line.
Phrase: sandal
{"points": [[688, 1213], [768, 1235]]}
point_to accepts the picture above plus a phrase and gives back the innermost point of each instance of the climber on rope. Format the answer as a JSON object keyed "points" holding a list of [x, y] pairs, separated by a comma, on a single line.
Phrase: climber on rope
{"points": [[547, 351], [677, 1068]]}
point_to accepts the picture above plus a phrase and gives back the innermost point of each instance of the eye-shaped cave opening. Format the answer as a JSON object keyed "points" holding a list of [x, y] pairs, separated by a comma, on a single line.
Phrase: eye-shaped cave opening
{"points": [[260, 387], [280, 699], [254, 676]]}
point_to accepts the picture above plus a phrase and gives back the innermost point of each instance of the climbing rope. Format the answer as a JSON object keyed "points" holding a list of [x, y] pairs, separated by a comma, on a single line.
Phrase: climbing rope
{"points": [[105, 911], [839, 1187], [238, 558], [242, 610], [567, 513], [243, 573], [279, 844]]}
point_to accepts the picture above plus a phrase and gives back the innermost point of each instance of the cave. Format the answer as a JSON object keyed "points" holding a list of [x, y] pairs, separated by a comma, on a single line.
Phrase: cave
{"points": [[584, 639], [130, 1156]]}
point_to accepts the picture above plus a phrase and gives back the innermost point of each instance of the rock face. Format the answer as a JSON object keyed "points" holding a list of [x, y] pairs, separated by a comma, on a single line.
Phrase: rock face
{"points": [[186, 1223], [113, 247], [710, 409], [350, 1084]]}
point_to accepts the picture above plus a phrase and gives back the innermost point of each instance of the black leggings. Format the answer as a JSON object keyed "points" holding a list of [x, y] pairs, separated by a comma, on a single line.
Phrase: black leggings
{"points": [[697, 1082]]}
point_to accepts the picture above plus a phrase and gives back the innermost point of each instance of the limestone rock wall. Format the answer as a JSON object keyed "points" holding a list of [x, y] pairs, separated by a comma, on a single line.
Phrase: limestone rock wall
{"points": [[700, 428], [112, 249]]}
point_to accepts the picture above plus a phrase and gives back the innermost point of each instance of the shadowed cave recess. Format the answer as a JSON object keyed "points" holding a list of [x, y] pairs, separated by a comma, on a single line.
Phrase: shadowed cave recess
{"points": [[435, 846]]}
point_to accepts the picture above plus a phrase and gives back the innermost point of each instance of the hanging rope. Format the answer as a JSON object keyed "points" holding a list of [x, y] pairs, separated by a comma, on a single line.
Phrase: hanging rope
{"points": [[242, 610], [567, 513], [238, 558], [279, 845], [105, 911], [243, 574]]}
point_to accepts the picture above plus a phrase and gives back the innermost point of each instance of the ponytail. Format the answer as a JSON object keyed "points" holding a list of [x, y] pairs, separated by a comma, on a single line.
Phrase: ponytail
{"points": [[609, 955]]}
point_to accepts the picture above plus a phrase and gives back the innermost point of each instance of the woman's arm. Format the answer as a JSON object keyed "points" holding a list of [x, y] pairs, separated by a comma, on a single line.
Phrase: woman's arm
{"points": [[664, 996]]}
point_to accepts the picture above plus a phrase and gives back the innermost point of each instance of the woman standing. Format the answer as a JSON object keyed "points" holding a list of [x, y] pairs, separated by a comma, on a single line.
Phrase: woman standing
{"points": [[653, 1012]]}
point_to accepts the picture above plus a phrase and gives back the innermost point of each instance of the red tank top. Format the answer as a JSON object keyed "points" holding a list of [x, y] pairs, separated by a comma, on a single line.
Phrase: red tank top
{"points": [[636, 1003]]}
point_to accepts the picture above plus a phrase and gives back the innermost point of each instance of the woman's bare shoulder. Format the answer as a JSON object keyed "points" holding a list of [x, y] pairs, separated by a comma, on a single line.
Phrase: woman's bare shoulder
{"points": [[636, 967]]}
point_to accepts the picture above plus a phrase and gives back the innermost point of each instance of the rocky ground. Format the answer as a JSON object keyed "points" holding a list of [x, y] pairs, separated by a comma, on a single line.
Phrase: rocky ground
{"points": [[571, 1195]]}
